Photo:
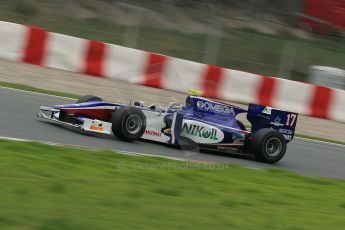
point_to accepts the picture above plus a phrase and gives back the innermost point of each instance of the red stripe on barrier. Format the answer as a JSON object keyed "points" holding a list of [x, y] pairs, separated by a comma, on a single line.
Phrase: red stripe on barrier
{"points": [[154, 70], [266, 90], [35, 47], [94, 59], [321, 101], [211, 81]]}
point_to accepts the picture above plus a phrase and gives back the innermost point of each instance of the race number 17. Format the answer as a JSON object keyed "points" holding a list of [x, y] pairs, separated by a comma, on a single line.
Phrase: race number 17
{"points": [[291, 118]]}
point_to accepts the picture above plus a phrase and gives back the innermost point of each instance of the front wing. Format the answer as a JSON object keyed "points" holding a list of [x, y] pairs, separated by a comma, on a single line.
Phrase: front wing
{"points": [[91, 125], [153, 130]]}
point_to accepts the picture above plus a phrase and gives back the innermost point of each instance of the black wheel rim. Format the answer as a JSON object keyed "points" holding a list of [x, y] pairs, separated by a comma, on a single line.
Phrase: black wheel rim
{"points": [[133, 124], [273, 147]]}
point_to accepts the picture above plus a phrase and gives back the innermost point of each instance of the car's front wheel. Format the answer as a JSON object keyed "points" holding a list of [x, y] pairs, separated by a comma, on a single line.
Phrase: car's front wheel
{"points": [[128, 123], [268, 145]]}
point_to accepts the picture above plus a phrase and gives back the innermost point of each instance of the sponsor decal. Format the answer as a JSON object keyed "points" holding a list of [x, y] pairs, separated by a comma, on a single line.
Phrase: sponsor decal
{"points": [[97, 128], [238, 136], [238, 142], [267, 110], [287, 137], [201, 133], [285, 131], [153, 133], [277, 121], [216, 108]]}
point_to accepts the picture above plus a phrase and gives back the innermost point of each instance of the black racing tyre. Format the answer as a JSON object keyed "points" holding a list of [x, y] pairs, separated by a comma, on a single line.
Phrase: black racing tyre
{"points": [[268, 145], [88, 98], [128, 123], [241, 125]]}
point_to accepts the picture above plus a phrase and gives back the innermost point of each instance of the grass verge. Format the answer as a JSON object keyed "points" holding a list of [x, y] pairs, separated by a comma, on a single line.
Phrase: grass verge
{"points": [[320, 139], [38, 90], [51, 187]]}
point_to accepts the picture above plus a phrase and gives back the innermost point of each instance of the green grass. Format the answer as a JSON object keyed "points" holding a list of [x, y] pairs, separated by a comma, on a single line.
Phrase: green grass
{"points": [[50, 187], [38, 90]]}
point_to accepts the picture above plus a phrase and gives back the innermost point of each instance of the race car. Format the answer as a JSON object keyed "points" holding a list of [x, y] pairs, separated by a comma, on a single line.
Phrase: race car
{"points": [[202, 122]]}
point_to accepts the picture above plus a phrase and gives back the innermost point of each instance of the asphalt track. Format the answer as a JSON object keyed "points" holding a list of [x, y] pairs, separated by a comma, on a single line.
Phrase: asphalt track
{"points": [[18, 120]]}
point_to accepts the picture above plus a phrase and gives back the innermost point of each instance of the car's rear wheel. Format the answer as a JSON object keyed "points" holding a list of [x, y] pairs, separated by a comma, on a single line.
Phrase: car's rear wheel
{"points": [[268, 145], [88, 98], [128, 123]]}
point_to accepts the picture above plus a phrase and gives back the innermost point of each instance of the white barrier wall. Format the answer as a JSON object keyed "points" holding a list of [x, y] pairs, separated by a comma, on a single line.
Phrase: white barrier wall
{"points": [[37, 46]]}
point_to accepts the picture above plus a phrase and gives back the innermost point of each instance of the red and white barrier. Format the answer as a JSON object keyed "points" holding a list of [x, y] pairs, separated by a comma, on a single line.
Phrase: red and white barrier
{"points": [[37, 46]]}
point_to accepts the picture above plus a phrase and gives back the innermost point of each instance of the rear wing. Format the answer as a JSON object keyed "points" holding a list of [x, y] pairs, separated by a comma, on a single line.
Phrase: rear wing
{"points": [[267, 117]]}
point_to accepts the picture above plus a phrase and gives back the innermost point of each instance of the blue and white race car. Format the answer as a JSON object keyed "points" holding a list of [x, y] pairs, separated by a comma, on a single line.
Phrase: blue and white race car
{"points": [[201, 122]]}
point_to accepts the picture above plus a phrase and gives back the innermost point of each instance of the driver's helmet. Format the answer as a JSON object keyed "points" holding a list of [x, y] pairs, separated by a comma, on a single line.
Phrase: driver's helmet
{"points": [[139, 103], [152, 107]]}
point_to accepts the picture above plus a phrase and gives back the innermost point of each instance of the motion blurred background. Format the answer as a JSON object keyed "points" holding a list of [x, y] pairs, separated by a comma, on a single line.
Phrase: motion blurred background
{"points": [[269, 37]]}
